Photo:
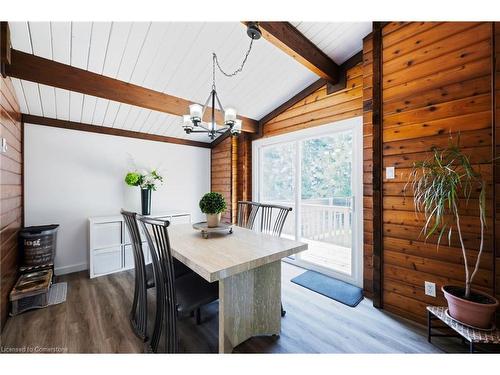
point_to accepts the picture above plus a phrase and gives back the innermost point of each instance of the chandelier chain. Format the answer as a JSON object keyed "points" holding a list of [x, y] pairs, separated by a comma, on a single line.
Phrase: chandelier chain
{"points": [[239, 70]]}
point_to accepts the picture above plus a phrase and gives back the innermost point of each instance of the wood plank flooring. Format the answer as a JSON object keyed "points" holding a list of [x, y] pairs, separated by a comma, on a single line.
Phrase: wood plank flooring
{"points": [[94, 319]]}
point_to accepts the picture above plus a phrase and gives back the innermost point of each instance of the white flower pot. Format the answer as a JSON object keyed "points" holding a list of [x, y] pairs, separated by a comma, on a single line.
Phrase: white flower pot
{"points": [[213, 220]]}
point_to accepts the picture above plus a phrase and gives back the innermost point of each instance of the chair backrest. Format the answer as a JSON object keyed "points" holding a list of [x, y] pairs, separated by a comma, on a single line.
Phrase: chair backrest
{"points": [[135, 239], [272, 218], [156, 234], [247, 212]]}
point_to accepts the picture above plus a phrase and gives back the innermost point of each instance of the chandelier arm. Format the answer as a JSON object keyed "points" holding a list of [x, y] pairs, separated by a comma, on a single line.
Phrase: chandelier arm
{"points": [[205, 129], [197, 131]]}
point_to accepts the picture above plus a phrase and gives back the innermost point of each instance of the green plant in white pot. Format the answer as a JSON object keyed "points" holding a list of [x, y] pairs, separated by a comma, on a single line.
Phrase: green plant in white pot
{"points": [[441, 185], [213, 205]]}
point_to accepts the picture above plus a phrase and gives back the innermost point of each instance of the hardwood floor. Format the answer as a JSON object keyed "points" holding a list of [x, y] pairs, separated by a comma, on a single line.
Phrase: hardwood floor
{"points": [[94, 319]]}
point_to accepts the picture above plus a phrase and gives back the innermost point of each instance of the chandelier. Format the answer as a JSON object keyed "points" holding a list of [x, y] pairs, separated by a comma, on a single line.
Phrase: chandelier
{"points": [[194, 122]]}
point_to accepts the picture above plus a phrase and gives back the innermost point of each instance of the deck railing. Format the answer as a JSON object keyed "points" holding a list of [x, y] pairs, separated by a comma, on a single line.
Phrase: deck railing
{"points": [[327, 220]]}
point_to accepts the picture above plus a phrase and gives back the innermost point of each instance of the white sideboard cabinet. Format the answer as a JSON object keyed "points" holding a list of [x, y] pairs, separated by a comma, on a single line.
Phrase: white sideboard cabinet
{"points": [[110, 249]]}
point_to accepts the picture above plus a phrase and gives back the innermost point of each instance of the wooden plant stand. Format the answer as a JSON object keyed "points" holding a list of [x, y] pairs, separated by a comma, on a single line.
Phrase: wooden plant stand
{"points": [[471, 335]]}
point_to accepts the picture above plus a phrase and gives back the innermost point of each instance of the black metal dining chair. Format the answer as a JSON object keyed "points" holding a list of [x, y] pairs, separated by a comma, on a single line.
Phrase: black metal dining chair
{"points": [[273, 218], [247, 212], [174, 296], [272, 221], [144, 278]]}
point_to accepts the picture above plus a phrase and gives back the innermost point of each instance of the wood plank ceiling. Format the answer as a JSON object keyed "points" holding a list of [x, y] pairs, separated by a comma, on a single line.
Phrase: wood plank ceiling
{"points": [[174, 58], [336, 38]]}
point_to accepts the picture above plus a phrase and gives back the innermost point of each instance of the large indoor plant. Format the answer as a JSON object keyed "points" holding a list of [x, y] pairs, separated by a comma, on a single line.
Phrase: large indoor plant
{"points": [[441, 185], [147, 181], [213, 204]]}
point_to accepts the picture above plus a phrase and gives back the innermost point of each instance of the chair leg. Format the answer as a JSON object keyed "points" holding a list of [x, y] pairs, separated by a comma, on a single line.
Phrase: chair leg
{"points": [[283, 312], [198, 316]]}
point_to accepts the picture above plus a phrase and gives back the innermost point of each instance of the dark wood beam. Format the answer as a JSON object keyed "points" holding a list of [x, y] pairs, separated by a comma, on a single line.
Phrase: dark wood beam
{"points": [[290, 40], [55, 123], [377, 167], [37, 69], [4, 47], [344, 68]]}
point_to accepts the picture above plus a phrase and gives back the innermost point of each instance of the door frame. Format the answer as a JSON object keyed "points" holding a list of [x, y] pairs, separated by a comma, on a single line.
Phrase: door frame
{"points": [[356, 125]]}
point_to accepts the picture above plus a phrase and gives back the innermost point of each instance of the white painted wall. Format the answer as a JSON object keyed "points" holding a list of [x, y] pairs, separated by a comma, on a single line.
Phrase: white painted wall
{"points": [[72, 175]]}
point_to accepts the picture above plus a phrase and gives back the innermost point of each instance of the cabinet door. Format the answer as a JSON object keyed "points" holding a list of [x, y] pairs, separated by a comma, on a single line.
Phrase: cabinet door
{"points": [[147, 255], [128, 257], [107, 260], [127, 234], [105, 235]]}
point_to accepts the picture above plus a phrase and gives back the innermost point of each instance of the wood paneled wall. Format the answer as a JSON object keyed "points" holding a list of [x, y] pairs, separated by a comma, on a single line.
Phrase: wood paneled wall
{"points": [[231, 172], [496, 117], [368, 165], [221, 173], [436, 81], [11, 192], [319, 108]]}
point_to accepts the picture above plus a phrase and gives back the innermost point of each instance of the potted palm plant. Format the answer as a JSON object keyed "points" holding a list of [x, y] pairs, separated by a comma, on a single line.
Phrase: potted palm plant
{"points": [[213, 204], [438, 185]]}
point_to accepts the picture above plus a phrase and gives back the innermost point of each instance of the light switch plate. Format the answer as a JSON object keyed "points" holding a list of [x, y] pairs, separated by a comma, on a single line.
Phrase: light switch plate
{"points": [[430, 289], [390, 173]]}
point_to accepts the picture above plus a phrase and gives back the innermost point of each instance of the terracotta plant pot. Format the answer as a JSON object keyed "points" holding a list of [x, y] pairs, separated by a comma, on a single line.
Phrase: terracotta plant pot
{"points": [[478, 312], [213, 220]]}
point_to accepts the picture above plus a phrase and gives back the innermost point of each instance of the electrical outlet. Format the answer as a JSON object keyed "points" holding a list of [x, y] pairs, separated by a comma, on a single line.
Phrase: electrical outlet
{"points": [[390, 173], [430, 289]]}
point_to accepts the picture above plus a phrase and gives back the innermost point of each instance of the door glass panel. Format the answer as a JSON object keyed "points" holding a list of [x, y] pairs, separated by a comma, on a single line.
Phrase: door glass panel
{"points": [[278, 181], [326, 201]]}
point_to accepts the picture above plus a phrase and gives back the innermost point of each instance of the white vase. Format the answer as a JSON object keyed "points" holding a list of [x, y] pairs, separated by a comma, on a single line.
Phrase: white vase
{"points": [[213, 220]]}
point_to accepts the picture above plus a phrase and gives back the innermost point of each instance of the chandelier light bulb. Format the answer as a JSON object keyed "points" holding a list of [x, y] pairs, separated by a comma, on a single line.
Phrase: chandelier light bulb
{"points": [[186, 122], [229, 115], [195, 112], [236, 129]]}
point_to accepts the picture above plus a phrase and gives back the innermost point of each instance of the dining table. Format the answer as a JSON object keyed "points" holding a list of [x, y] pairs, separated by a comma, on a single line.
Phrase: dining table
{"points": [[247, 266]]}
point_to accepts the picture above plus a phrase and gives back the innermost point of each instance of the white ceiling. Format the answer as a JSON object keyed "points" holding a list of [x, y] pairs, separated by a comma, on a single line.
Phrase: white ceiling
{"points": [[339, 40], [171, 57]]}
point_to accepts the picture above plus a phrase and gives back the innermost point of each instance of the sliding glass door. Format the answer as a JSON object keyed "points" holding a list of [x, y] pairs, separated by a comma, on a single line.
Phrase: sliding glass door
{"points": [[317, 172]]}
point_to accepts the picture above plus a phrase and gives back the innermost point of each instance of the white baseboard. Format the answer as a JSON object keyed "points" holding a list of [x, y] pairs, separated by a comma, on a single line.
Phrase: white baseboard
{"points": [[71, 268]]}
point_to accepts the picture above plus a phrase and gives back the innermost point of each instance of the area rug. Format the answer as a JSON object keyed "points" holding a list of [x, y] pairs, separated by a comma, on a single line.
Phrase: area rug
{"points": [[340, 291], [57, 293]]}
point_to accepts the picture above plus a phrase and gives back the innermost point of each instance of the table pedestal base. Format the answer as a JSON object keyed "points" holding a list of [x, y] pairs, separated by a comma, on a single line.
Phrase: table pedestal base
{"points": [[249, 305]]}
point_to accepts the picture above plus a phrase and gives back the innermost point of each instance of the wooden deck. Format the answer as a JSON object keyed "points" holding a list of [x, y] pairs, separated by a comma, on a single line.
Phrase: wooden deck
{"points": [[328, 255], [94, 319]]}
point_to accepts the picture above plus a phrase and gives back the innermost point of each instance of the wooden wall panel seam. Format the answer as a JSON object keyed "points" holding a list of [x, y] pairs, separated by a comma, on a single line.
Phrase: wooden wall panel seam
{"points": [[377, 166]]}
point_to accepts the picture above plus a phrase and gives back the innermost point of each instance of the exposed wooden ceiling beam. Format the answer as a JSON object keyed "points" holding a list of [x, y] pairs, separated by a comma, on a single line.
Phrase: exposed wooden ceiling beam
{"points": [[316, 85], [290, 40], [37, 69], [55, 123]]}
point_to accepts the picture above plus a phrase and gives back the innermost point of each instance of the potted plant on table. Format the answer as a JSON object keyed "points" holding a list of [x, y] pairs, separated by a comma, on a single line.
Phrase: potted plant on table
{"points": [[438, 185], [147, 181], [213, 204]]}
